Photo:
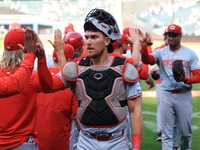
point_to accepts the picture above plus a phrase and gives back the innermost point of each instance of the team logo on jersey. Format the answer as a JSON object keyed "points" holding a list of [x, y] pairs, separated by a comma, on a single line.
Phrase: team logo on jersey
{"points": [[172, 27], [98, 76]]}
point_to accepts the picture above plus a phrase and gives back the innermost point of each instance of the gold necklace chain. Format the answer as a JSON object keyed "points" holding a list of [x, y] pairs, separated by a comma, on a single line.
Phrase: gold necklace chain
{"points": [[175, 56]]}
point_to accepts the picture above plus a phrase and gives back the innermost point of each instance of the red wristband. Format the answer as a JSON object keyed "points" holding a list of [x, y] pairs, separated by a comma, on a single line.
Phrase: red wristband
{"points": [[136, 140]]}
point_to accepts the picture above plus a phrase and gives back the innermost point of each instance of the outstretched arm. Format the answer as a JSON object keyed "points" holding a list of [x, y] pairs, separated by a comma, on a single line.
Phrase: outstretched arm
{"points": [[146, 58], [48, 82]]}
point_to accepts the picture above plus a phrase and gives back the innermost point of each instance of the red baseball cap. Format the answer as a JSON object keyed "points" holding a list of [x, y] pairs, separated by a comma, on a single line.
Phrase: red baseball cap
{"points": [[13, 38], [123, 39], [126, 31], [14, 25], [69, 28], [173, 28], [68, 51]]}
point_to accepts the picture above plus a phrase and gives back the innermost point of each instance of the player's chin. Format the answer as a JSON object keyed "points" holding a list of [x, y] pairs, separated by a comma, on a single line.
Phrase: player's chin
{"points": [[91, 55], [172, 44]]}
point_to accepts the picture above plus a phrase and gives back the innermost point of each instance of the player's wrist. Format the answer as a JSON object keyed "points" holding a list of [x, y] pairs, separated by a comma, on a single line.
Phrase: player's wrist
{"points": [[185, 80], [136, 140]]}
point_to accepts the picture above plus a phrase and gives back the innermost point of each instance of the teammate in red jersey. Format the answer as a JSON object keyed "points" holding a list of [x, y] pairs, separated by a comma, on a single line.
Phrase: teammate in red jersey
{"points": [[15, 82], [58, 109], [18, 112]]}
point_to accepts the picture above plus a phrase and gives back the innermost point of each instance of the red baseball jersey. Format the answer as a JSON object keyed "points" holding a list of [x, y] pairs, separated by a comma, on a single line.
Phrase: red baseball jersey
{"points": [[18, 113], [55, 117], [14, 83]]}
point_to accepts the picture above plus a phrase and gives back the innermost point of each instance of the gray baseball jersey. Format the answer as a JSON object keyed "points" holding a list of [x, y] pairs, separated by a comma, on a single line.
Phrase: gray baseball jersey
{"points": [[164, 59], [175, 106]]}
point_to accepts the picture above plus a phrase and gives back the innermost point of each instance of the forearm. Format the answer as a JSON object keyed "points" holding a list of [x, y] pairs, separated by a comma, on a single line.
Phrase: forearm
{"points": [[135, 53], [48, 82], [195, 78], [136, 121], [136, 126], [149, 80], [61, 59], [146, 58], [15, 83], [144, 72]]}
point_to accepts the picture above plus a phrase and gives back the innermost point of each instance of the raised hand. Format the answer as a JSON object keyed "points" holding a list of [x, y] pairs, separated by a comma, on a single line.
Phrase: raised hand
{"points": [[30, 41], [134, 36], [58, 43], [149, 38], [40, 51]]}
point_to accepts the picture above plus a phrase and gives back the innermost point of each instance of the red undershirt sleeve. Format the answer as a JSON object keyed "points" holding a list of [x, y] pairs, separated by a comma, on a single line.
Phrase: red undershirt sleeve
{"points": [[143, 74], [195, 78], [146, 58], [48, 82], [15, 83]]}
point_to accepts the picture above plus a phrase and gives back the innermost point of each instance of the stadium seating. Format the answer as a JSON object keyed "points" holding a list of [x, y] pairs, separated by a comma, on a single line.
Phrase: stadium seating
{"points": [[186, 17]]}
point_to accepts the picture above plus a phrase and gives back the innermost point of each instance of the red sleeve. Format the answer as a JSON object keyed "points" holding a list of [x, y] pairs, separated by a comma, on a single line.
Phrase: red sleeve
{"points": [[149, 49], [146, 58], [143, 74], [48, 82], [195, 78], [15, 83], [74, 105]]}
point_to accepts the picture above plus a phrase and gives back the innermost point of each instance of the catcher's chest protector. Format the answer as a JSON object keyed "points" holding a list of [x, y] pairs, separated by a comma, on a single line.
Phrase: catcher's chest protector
{"points": [[100, 91]]}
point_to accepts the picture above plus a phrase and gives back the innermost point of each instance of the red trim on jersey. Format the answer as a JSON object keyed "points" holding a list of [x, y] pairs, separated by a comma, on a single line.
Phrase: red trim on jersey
{"points": [[135, 96]]}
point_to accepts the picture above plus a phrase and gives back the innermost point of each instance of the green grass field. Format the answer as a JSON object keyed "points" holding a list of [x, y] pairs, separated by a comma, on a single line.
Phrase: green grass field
{"points": [[150, 134], [150, 129]]}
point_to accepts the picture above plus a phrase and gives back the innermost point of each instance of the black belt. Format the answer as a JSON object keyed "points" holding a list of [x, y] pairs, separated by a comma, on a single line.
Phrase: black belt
{"points": [[104, 137]]}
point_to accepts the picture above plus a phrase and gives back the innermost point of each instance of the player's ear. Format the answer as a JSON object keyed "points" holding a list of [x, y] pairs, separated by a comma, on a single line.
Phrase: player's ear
{"points": [[107, 41]]}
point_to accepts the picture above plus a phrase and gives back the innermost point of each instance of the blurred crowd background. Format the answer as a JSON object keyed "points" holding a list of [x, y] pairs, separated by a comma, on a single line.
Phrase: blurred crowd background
{"points": [[153, 16]]}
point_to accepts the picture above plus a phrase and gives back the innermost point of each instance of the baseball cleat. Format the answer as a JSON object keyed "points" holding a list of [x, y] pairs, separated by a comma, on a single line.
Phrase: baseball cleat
{"points": [[159, 137]]}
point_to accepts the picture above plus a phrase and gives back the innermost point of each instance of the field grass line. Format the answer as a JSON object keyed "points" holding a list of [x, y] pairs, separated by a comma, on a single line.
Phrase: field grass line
{"points": [[153, 126]]}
